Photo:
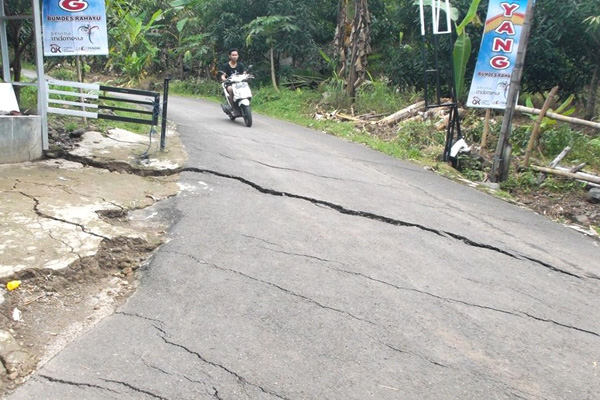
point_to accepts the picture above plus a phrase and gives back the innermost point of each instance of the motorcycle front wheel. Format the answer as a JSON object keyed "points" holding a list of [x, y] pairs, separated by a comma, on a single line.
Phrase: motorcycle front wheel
{"points": [[247, 114]]}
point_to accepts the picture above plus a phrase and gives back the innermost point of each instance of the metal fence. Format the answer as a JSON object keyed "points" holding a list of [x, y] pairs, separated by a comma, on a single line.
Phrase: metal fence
{"points": [[90, 100]]}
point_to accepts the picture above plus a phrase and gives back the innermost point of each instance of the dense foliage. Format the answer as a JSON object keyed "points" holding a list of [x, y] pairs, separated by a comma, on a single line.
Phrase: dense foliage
{"points": [[190, 38]]}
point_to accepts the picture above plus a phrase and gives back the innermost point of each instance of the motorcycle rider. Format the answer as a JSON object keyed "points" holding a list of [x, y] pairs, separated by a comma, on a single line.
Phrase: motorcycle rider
{"points": [[233, 66]]}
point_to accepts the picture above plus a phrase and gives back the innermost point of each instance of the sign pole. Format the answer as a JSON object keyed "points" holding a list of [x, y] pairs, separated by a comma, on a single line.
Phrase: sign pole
{"points": [[163, 131], [502, 156], [41, 75]]}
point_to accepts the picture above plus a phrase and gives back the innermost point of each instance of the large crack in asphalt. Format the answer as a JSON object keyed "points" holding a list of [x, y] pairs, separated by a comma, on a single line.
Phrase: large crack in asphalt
{"points": [[134, 388], [89, 385], [164, 336], [279, 287], [77, 384], [381, 218], [520, 314]]}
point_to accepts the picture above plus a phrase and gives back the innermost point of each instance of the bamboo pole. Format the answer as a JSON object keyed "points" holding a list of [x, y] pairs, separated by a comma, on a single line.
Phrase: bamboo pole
{"points": [[559, 117], [409, 111], [554, 163], [536, 126], [577, 176]]}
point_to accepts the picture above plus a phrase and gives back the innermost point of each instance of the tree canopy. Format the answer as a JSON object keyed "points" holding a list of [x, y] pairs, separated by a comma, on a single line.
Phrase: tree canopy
{"points": [[189, 38]]}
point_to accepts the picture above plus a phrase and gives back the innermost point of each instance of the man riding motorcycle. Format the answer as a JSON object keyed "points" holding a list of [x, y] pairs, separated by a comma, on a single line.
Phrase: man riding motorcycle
{"points": [[233, 66]]}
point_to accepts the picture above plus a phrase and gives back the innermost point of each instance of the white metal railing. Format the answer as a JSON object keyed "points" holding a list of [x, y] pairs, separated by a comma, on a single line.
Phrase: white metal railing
{"points": [[73, 103], [91, 100]]}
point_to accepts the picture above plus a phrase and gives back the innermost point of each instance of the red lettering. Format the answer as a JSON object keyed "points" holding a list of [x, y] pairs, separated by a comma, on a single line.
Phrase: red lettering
{"points": [[509, 9], [500, 62], [506, 27], [505, 45], [73, 5]]}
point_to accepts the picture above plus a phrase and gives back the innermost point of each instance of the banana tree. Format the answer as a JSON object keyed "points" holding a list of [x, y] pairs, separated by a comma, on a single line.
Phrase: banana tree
{"points": [[461, 52], [462, 47], [272, 28], [131, 51]]}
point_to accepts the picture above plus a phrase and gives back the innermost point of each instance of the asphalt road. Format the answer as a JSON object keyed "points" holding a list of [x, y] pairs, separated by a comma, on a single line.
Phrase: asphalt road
{"points": [[301, 266]]}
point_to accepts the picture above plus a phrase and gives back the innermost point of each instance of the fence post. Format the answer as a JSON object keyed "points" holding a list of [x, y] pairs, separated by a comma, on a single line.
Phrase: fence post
{"points": [[163, 130]]}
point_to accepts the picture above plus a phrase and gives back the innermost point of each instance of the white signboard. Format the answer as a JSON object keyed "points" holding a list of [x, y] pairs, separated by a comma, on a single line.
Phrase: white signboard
{"points": [[8, 100], [74, 27]]}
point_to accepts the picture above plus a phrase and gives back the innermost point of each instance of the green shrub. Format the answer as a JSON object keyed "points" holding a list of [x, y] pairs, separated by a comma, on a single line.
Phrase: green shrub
{"points": [[526, 181], [334, 96], [291, 105], [379, 97], [65, 74], [197, 87], [28, 100]]}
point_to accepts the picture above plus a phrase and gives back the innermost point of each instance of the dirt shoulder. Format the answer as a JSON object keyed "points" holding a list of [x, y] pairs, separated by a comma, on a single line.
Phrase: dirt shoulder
{"points": [[76, 229]]}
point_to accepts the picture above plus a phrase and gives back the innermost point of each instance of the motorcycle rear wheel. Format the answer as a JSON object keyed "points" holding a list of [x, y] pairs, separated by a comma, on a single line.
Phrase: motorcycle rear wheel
{"points": [[247, 114]]}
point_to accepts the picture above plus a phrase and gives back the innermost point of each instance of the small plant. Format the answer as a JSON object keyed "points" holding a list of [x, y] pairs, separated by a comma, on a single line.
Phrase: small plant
{"points": [[526, 181], [65, 74], [378, 95], [334, 95], [71, 126], [200, 87], [557, 185], [28, 100]]}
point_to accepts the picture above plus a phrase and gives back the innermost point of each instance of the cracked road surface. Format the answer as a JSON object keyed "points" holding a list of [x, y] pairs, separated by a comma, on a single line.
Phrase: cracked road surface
{"points": [[301, 266]]}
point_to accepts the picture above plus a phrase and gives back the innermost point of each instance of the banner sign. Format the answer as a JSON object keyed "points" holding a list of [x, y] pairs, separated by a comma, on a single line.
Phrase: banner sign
{"points": [[498, 53], [74, 27]]}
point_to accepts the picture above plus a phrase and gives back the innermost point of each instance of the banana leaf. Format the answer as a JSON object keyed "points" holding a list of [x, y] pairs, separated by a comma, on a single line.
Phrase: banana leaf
{"points": [[461, 55]]}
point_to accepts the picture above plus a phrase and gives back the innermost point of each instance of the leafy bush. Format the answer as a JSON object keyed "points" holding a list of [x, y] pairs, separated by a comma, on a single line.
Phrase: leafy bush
{"points": [[378, 95], [420, 135], [334, 94], [290, 105], [526, 181], [28, 100], [583, 149], [197, 87], [65, 74]]}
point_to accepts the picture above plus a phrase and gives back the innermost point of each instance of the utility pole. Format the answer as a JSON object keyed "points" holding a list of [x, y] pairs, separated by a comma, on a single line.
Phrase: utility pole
{"points": [[502, 156]]}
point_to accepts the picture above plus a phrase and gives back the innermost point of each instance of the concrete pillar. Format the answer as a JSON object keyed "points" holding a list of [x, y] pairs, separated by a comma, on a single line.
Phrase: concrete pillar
{"points": [[20, 138]]}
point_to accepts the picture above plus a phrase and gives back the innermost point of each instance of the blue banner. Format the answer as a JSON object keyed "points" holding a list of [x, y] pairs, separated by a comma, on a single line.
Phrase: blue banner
{"points": [[74, 27], [498, 53]]}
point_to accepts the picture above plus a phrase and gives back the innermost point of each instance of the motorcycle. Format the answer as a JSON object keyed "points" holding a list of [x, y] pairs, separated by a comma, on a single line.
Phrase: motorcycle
{"points": [[242, 96]]}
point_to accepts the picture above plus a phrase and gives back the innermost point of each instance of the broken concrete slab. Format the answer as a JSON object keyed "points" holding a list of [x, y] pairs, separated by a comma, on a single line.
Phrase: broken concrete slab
{"points": [[53, 211]]}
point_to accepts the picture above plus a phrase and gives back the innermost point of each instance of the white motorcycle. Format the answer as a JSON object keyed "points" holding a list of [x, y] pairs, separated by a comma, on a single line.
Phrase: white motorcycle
{"points": [[242, 96]]}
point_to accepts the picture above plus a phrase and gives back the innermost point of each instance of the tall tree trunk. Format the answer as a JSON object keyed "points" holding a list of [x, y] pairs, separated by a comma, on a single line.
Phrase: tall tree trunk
{"points": [[342, 37], [273, 79], [19, 48], [352, 43], [590, 107]]}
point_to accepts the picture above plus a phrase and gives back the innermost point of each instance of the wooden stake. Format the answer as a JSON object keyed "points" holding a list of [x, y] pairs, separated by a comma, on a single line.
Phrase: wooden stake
{"points": [[554, 163], [536, 126], [502, 156], [80, 80], [486, 128]]}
